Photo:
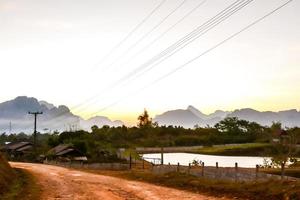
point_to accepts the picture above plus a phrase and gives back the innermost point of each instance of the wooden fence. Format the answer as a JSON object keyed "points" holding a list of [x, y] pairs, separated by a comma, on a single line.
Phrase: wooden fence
{"points": [[221, 173], [97, 166]]}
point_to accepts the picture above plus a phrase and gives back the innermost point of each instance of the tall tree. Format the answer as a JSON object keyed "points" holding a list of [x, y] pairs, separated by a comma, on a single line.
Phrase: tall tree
{"points": [[144, 120]]}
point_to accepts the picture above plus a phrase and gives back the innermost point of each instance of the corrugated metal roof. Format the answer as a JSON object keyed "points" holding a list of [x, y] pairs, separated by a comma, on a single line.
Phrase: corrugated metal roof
{"points": [[18, 145], [58, 149], [65, 152], [25, 148]]}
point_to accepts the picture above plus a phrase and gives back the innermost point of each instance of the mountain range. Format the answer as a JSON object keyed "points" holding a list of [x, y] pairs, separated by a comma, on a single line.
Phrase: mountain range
{"points": [[191, 116], [14, 117]]}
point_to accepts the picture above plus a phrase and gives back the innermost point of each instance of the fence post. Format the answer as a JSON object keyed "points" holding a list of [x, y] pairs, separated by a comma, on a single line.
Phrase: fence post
{"points": [[217, 170], [236, 171], [143, 164], [202, 171], [178, 167], [256, 172], [130, 161], [162, 156], [282, 171], [189, 168]]}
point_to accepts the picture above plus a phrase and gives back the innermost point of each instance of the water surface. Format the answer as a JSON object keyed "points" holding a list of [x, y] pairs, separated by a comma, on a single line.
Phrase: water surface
{"points": [[209, 160]]}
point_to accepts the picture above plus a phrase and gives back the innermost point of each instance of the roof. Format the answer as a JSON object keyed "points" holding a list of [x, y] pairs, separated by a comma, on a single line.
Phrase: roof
{"points": [[80, 158], [58, 149], [64, 149], [65, 152], [18, 146], [25, 148]]}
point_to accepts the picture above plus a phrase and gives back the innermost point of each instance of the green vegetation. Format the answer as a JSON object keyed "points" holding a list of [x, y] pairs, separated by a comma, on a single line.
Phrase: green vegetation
{"points": [[247, 149], [7, 176], [23, 187], [101, 143], [271, 189], [293, 172], [16, 184]]}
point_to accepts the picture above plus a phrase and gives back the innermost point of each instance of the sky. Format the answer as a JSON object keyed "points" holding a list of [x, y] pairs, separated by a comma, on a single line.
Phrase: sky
{"points": [[68, 52]]}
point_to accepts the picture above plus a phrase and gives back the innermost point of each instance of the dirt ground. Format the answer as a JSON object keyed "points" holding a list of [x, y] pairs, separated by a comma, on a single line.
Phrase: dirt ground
{"points": [[62, 183]]}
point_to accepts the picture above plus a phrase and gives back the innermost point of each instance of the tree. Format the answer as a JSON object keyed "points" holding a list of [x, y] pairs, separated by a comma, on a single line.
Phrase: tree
{"points": [[284, 147], [94, 128], [145, 120]]}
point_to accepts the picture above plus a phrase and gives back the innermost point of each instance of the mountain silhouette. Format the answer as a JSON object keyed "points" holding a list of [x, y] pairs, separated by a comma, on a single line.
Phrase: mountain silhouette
{"points": [[15, 112], [191, 116]]}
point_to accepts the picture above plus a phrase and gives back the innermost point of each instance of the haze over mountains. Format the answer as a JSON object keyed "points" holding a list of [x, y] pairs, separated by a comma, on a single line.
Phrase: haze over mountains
{"points": [[53, 118], [61, 118], [191, 116]]}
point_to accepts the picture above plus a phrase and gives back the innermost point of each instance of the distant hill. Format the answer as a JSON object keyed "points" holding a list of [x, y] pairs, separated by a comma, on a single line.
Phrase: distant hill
{"points": [[61, 118], [191, 116], [53, 118], [288, 118], [185, 118]]}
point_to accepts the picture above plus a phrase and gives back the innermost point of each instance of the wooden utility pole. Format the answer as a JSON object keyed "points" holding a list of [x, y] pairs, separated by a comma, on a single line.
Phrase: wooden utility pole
{"points": [[34, 133], [9, 127]]}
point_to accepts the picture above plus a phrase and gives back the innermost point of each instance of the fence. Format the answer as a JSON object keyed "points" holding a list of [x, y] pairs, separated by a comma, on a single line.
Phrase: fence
{"points": [[220, 173], [99, 166]]}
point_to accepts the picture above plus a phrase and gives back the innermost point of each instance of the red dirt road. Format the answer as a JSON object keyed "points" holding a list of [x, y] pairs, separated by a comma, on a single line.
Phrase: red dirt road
{"points": [[67, 184]]}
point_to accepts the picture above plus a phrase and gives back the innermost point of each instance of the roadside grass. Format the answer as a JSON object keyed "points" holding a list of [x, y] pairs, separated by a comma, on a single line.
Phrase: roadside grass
{"points": [[22, 187], [248, 149], [269, 189], [7, 176], [293, 172]]}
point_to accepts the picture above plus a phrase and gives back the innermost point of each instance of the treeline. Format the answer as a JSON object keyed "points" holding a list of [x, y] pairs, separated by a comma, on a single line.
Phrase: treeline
{"points": [[102, 142]]}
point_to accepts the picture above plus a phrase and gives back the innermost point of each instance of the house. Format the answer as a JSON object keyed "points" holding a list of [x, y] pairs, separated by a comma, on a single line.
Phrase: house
{"points": [[281, 136], [66, 152], [18, 149]]}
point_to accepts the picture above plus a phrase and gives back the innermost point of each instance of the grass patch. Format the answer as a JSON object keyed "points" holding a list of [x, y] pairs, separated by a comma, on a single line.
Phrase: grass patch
{"points": [[7, 175], [248, 149], [23, 187], [293, 172], [271, 189]]}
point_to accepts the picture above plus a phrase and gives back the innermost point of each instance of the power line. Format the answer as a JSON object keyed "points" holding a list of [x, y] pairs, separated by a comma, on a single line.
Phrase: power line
{"points": [[148, 33], [201, 30], [205, 52], [206, 26], [223, 15], [130, 34], [230, 10], [165, 32]]}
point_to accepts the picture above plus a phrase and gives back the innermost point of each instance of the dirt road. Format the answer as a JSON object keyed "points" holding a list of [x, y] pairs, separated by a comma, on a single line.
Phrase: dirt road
{"points": [[62, 183]]}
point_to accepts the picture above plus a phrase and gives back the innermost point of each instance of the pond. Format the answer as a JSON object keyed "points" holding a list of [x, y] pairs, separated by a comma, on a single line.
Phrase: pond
{"points": [[209, 160]]}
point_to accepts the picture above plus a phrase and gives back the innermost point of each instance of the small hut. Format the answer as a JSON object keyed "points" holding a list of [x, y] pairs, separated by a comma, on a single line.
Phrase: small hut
{"points": [[66, 152], [18, 149]]}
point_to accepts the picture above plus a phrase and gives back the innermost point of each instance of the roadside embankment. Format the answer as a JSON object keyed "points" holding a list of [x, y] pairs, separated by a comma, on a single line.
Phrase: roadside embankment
{"points": [[7, 176], [16, 183]]}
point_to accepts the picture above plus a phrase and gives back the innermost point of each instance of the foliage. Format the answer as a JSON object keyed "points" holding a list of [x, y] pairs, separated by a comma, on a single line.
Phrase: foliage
{"points": [[101, 143], [284, 148], [144, 121]]}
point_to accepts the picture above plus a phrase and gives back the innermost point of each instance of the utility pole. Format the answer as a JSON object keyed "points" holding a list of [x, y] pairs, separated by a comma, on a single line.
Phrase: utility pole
{"points": [[34, 133], [9, 128]]}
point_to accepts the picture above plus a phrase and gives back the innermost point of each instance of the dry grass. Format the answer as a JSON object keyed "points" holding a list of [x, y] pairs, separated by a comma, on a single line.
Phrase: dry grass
{"points": [[7, 175], [293, 172], [23, 187], [269, 189], [16, 184]]}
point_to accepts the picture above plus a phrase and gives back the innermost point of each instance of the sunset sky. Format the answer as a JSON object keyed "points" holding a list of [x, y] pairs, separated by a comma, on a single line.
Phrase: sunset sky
{"points": [[56, 50]]}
